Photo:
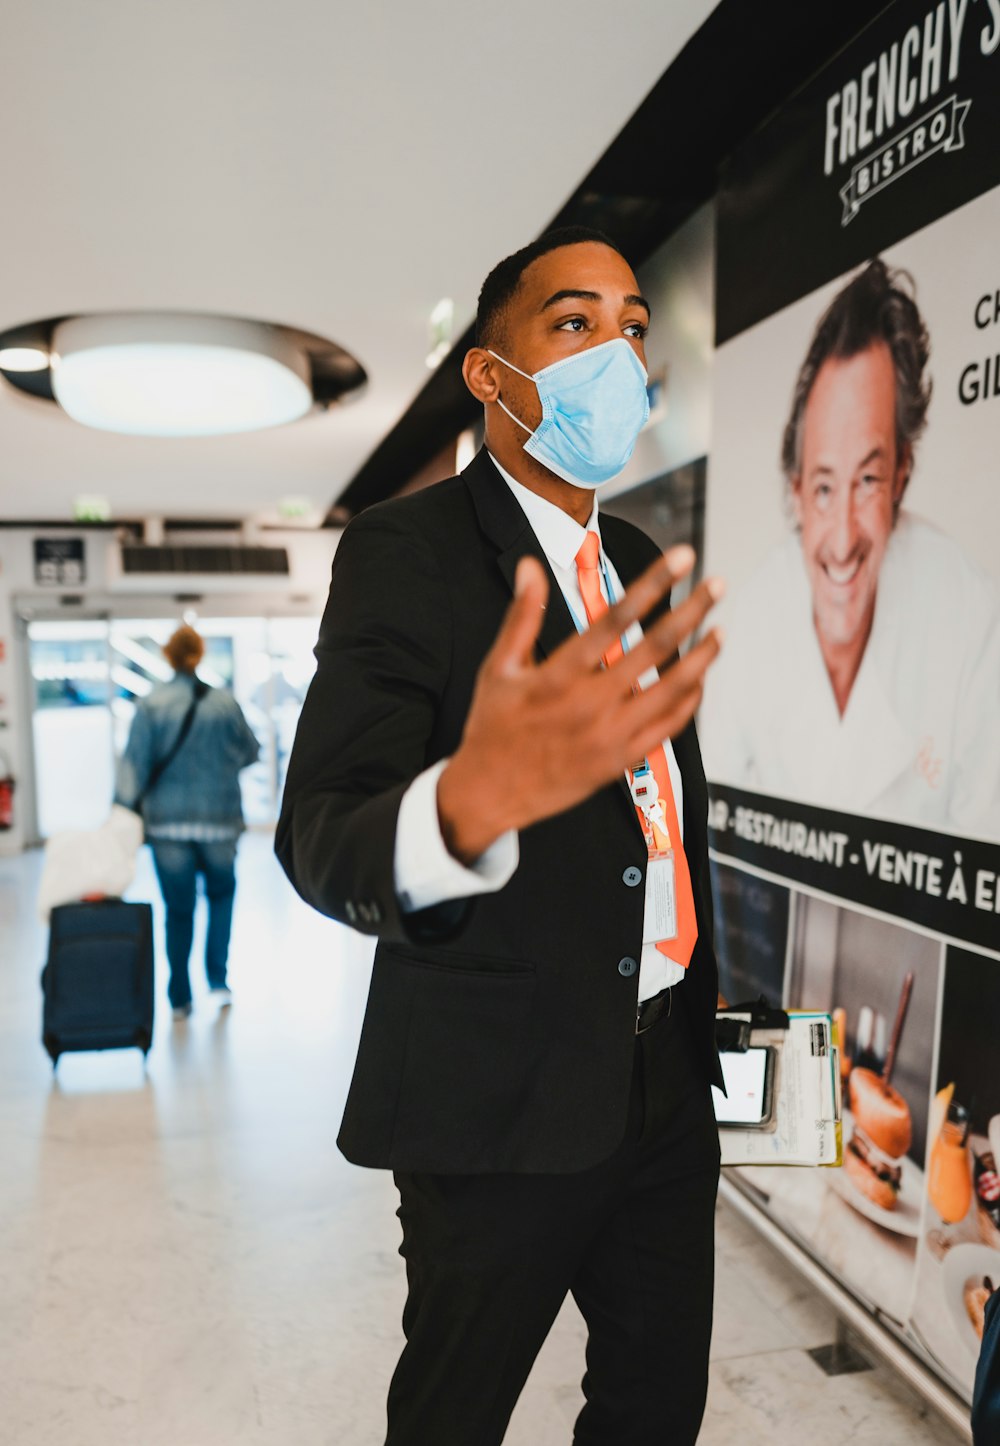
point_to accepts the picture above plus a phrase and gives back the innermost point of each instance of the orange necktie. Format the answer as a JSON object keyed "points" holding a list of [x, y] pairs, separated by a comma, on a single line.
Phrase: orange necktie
{"points": [[681, 948]]}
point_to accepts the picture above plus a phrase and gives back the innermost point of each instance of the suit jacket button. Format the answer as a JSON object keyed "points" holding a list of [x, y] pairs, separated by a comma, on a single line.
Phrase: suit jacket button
{"points": [[627, 966], [632, 876]]}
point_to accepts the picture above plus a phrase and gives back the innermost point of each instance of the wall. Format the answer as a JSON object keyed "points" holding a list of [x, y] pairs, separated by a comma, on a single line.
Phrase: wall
{"points": [[302, 593], [818, 773], [678, 282]]}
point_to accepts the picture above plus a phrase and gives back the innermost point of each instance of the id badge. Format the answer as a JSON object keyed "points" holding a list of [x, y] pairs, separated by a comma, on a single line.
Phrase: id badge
{"points": [[659, 921]]}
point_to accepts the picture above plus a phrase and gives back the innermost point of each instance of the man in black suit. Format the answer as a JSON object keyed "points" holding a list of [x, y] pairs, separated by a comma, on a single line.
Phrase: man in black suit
{"points": [[467, 783]]}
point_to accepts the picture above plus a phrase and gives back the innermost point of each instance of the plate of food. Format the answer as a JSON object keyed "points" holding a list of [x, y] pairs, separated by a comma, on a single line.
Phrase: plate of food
{"points": [[878, 1178], [969, 1275]]}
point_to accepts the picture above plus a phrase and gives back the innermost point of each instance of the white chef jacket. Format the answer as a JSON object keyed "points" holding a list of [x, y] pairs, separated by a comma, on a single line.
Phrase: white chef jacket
{"points": [[919, 740], [425, 873]]}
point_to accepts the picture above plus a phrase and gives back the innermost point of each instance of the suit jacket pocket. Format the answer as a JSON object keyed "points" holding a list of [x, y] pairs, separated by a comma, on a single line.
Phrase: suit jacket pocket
{"points": [[458, 961], [464, 1076]]}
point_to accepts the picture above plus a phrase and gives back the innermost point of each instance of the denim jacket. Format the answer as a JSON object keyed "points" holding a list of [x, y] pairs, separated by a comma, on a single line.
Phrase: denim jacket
{"points": [[201, 785]]}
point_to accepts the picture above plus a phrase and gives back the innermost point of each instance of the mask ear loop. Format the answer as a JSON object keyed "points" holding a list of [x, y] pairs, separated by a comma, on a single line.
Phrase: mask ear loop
{"points": [[513, 418], [527, 376]]}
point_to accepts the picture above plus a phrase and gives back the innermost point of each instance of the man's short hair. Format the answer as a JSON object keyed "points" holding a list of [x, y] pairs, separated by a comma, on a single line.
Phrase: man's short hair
{"points": [[876, 305], [500, 286]]}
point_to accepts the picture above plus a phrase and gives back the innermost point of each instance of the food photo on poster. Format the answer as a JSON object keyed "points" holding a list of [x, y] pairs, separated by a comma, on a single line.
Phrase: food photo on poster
{"points": [[881, 983], [959, 1255]]}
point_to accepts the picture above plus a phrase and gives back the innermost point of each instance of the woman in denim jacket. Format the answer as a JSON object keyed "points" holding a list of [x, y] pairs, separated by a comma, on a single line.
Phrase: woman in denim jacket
{"points": [[193, 813]]}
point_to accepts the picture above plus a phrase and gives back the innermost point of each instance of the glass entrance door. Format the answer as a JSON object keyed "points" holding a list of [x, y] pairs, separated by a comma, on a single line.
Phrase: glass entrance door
{"points": [[89, 674], [72, 730]]}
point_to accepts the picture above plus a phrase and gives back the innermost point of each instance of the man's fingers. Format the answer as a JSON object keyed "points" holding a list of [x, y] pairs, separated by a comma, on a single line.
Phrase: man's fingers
{"points": [[664, 709], [584, 653], [513, 649], [640, 599], [662, 639], [679, 560], [514, 645]]}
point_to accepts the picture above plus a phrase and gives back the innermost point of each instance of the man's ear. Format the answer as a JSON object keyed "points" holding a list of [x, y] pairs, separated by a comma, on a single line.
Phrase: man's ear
{"points": [[480, 372], [795, 500]]}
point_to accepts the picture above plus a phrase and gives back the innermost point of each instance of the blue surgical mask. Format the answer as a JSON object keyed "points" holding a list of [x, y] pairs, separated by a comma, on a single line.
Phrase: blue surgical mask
{"points": [[594, 405]]}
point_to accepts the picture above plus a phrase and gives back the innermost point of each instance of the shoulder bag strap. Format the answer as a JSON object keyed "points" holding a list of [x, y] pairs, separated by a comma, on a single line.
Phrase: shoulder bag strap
{"points": [[160, 767]]}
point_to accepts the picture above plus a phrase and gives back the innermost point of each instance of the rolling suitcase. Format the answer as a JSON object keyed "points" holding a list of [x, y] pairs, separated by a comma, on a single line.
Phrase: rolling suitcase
{"points": [[98, 981]]}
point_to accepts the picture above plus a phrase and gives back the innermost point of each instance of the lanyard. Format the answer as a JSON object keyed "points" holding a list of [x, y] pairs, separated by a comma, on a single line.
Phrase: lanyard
{"points": [[641, 779]]}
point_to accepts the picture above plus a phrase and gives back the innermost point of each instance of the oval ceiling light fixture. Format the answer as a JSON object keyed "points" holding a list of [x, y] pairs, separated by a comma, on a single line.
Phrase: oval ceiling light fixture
{"points": [[23, 359], [177, 374], [170, 374]]}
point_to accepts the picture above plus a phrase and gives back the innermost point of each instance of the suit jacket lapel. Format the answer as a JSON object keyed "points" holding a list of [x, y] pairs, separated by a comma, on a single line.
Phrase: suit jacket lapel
{"points": [[506, 526]]}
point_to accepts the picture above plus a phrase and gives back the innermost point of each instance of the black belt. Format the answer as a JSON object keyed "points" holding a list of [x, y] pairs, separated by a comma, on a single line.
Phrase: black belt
{"points": [[651, 1011]]}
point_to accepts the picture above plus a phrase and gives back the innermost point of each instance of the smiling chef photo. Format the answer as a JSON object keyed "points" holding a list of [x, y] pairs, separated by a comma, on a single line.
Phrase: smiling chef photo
{"points": [[862, 667]]}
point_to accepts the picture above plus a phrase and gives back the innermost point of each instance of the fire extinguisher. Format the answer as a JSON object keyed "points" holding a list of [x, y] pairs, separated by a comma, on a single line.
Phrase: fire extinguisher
{"points": [[6, 794]]}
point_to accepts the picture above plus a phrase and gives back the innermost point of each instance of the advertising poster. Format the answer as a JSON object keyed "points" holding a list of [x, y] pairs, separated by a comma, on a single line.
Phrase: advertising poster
{"points": [[851, 727]]}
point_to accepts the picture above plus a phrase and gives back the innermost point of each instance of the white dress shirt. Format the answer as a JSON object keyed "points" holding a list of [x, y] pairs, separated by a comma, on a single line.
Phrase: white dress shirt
{"points": [[425, 873]]}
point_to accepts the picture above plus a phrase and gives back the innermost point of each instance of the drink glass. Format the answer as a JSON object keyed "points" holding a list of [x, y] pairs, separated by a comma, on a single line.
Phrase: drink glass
{"points": [[950, 1182]]}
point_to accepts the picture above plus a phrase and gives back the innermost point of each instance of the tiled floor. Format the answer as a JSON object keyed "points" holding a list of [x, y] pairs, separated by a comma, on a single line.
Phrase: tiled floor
{"points": [[186, 1260]]}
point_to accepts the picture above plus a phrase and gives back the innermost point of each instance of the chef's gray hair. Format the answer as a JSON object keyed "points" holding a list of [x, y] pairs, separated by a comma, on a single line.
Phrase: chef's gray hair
{"points": [[876, 305]]}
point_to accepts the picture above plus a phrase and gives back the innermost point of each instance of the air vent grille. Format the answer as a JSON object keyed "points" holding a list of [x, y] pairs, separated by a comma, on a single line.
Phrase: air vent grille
{"points": [[145, 560]]}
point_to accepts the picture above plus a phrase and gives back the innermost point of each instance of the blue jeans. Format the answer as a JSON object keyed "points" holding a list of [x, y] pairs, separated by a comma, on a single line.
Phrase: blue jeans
{"points": [[177, 868]]}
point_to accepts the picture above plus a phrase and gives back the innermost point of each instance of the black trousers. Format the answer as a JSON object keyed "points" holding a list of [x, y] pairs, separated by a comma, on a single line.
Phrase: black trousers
{"points": [[490, 1259]]}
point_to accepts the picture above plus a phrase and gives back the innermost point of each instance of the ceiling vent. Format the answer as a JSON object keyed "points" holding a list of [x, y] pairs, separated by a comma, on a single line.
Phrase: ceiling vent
{"points": [[180, 558], [204, 568]]}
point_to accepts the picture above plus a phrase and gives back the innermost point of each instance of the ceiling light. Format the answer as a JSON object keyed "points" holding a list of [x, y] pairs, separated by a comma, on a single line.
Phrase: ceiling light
{"points": [[293, 508], [90, 508], [23, 359], [169, 374], [437, 354], [439, 333]]}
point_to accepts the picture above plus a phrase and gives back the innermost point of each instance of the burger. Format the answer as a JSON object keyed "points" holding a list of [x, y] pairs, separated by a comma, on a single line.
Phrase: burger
{"points": [[882, 1135]]}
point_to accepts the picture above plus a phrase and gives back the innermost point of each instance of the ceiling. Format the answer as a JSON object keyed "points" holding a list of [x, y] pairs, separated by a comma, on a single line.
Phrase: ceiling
{"points": [[331, 167]]}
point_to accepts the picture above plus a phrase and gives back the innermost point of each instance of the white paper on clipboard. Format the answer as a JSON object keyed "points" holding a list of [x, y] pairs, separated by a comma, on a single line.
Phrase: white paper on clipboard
{"points": [[807, 1102]]}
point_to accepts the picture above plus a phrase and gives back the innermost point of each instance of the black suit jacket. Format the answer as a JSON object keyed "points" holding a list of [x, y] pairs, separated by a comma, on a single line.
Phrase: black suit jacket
{"points": [[499, 1031], [986, 1397]]}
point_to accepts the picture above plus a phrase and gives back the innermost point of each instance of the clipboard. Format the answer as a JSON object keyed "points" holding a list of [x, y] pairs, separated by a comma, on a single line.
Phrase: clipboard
{"points": [[805, 1127]]}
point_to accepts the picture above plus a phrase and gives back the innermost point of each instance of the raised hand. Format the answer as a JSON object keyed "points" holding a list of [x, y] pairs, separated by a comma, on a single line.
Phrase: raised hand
{"points": [[542, 737]]}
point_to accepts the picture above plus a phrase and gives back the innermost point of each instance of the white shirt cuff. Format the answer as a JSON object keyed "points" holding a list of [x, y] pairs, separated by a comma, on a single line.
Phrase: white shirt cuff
{"points": [[424, 872]]}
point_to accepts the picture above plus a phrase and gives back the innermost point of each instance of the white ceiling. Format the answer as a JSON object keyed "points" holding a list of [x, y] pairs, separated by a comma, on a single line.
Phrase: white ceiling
{"points": [[334, 167]]}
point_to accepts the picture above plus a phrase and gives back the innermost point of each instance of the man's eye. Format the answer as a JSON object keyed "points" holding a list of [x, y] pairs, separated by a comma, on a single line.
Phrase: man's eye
{"points": [[636, 329], [572, 323]]}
